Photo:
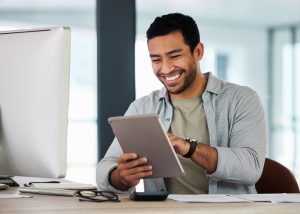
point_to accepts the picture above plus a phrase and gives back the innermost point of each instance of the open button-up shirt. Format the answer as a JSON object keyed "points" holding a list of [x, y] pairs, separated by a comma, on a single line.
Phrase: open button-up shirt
{"points": [[237, 129]]}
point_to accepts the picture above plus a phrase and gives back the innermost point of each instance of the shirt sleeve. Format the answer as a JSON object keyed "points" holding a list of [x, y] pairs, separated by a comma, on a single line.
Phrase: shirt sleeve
{"points": [[243, 160], [109, 162]]}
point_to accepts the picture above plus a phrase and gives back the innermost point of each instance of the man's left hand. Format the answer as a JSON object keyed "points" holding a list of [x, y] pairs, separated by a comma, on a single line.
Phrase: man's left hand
{"points": [[205, 156], [179, 144]]}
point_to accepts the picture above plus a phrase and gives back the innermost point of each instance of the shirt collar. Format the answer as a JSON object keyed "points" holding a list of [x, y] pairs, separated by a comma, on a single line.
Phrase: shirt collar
{"points": [[163, 94], [214, 84]]}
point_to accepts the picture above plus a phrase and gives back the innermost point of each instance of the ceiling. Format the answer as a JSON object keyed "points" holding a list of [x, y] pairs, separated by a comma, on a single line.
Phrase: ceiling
{"points": [[46, 4], [261, 13]]}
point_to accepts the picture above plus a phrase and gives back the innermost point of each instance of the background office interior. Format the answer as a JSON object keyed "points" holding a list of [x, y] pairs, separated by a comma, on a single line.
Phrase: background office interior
{"points": [[249, 42]]}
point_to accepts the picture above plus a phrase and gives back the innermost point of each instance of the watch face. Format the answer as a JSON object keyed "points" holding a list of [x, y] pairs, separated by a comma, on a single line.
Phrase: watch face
{"points": [[190, 140]]}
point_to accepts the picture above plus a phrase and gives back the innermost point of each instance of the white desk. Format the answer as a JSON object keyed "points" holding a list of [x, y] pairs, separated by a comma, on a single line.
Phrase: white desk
{"points": [[58, 204]]}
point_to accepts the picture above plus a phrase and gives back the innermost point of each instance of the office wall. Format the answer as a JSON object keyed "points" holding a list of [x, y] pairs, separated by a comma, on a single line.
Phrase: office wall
{"points": [[246, 49]]}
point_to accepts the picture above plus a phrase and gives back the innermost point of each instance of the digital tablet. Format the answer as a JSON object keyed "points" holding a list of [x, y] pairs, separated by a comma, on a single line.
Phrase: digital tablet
{"points": [[145, 136]]}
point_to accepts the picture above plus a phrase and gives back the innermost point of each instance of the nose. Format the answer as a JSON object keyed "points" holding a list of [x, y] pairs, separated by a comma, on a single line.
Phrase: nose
{"points": [[167, 67]]}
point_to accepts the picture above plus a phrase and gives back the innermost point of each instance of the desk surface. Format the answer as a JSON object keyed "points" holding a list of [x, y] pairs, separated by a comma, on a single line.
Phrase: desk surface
{"points": [[59, 204]]}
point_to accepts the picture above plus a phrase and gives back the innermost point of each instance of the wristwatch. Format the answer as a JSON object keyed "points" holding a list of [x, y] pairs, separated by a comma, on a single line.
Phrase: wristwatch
{"points": [[193, 144]]}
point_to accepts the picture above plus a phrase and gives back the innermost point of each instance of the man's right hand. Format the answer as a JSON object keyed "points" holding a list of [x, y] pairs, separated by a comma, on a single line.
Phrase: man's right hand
{"points": [[129, 171]]}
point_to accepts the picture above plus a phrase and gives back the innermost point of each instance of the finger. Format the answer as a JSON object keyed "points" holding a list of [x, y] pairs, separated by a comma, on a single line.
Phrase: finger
{"points": [[139, 169], [133, 163], [133, 180], [127, 157], [170, 136], [141, 175], [131, 177]]}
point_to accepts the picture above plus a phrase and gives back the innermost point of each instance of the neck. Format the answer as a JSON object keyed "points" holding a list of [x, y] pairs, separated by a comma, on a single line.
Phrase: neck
{"points": [[195, 89]]}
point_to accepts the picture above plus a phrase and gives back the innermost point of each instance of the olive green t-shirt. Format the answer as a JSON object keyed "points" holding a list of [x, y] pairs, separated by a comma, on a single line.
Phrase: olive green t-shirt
{"points": [[189, 121]]}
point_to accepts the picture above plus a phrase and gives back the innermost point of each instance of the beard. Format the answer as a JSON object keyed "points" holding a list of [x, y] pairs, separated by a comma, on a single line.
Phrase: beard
{"points": [[189, 78]]}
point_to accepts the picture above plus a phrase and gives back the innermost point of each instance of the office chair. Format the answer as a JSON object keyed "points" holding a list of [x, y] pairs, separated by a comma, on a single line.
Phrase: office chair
{"points": [[276, 178]]}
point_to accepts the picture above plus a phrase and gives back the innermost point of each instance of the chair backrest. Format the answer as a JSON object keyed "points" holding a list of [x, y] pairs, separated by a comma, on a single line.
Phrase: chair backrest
{"points": [[276, 178]]}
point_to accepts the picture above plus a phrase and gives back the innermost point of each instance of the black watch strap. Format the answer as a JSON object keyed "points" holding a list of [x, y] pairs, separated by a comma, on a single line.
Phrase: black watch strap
{"points": [[193, 144]]}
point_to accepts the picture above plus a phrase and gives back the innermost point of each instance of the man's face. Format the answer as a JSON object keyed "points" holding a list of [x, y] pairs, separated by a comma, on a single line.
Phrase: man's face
{"points": [[172, 61]]}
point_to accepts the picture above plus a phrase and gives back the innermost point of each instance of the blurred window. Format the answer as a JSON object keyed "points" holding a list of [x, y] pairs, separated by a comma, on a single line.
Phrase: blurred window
{"points": [[284, 143], [236, 45], [80, 16]]}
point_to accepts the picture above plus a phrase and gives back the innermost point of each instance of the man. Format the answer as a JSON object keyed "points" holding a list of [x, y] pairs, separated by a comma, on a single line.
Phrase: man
{"points": [[227, 120]]}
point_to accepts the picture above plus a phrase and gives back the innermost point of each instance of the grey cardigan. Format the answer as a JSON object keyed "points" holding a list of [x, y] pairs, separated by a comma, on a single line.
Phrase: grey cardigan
{"points": [[237, 129]]}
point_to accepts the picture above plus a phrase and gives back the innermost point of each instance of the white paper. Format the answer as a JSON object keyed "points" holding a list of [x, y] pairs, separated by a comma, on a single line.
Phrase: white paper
{"points": [[221, 198], [7, 195], [274, 198], [70, 186], [62, 192], [204, 198], [21, 180], [64, 184]]}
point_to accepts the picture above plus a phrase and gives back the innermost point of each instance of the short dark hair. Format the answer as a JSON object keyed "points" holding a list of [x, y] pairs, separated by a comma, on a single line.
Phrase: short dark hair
{"points": [[163, 25]]}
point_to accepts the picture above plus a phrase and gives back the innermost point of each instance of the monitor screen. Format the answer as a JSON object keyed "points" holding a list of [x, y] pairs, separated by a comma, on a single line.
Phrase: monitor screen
{"points": [[34, 98]]}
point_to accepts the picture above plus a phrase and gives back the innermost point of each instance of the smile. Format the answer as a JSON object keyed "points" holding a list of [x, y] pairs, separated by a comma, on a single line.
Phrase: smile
{"points": [[172, 78]]}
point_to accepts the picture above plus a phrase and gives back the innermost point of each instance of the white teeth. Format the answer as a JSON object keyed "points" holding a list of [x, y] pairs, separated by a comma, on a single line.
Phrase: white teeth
{"points": [[173, 77]]}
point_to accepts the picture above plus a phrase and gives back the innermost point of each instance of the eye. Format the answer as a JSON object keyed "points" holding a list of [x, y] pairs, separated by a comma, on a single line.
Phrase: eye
{"points": [[155, 60], [175, 56]]}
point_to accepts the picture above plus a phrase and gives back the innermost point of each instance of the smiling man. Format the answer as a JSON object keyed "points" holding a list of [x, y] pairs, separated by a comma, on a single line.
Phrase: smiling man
{"points": [[217, 128]]}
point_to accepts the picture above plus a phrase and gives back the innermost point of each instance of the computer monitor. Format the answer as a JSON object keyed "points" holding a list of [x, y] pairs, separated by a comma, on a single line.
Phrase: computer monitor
{"points": [[34, 97]]}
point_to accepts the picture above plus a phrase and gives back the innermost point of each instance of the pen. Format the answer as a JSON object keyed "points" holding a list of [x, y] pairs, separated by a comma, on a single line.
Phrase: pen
{"points": [[41, 182]]}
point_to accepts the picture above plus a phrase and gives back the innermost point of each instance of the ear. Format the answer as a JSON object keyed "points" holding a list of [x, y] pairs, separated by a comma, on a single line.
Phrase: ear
{"points": [[198, 51]]}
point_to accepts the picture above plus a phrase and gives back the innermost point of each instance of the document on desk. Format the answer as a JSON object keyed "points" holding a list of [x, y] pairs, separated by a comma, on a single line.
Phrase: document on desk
{"points": [[274, 198], [62, 185], [204, 198], [58, 192], [221, 198], [13, 195]]}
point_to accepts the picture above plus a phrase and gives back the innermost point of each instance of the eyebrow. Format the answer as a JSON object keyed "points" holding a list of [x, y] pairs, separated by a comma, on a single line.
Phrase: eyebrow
{"points": [[174, 51], [168, 53]]}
